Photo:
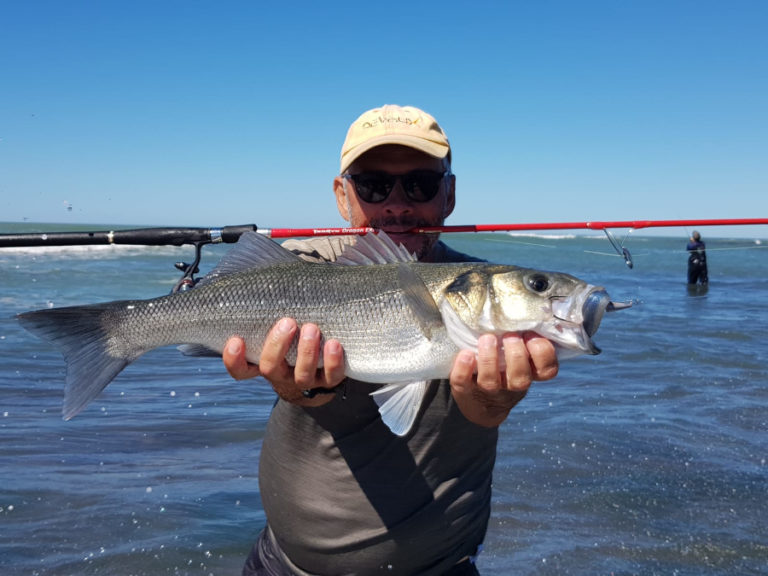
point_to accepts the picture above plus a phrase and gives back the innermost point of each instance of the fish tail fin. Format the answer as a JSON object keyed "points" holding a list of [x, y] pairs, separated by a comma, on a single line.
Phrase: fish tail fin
{"points": [[93, 359]]}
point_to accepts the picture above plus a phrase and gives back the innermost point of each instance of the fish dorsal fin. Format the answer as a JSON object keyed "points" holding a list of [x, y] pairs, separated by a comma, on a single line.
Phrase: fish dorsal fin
{"points": [[421, 302], [251, 251], [399, 404], [374, 249]]}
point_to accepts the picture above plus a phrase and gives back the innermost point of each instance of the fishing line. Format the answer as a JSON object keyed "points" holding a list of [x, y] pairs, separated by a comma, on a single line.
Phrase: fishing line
{"points": [[618, 246], [730, 249], [613, 254], [523, 243]]}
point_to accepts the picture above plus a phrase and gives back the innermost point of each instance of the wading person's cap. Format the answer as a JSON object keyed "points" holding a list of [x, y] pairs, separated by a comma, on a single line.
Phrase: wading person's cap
{"points": [[390, 124]]}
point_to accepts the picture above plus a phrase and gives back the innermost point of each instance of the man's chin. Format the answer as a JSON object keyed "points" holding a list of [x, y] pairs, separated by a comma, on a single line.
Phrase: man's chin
{"points": [[402, 237], [419, 244]]}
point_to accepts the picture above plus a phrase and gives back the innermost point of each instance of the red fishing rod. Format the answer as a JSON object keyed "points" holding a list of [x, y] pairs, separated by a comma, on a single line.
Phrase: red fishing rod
{"points": [[230, 234], [633, 224], [604, 226]]}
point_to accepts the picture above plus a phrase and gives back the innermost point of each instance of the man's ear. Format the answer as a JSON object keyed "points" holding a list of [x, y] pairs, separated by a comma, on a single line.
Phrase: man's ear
{"points": [[341, 197], [450, 196]]}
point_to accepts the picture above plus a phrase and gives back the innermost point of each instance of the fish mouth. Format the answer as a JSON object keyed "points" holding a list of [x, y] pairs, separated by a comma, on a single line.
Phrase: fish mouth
{"points": [[593, 305]]}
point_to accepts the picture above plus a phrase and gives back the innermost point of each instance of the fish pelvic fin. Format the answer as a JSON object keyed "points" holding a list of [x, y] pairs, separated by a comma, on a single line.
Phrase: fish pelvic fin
{"points": [[198, 351], [399, 404], [79, 334]]}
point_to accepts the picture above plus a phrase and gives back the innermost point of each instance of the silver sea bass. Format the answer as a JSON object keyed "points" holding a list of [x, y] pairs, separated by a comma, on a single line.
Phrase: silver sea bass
{"points": [[400, 321]]}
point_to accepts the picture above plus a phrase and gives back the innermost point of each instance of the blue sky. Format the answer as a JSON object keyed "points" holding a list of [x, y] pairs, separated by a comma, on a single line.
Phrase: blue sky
{"points": [[211, 113]]}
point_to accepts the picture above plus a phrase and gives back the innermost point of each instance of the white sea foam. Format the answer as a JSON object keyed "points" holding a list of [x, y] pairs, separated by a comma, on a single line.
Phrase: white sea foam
{"points": [[587, 236], [97, 250]]}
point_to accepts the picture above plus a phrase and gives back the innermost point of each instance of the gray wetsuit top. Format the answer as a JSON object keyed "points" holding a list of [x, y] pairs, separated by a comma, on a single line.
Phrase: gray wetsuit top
{"points": [[344, 495]]}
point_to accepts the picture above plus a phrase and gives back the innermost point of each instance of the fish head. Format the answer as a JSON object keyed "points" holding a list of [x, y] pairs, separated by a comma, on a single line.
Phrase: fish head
{"points": [[558, 306]]}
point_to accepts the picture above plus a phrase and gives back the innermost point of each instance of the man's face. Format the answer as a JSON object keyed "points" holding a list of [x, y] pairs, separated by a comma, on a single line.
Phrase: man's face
{"points": [[397, 214]]}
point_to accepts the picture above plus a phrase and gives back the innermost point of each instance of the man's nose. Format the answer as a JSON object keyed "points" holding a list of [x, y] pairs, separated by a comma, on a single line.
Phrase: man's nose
{"points": [[398, 202]]}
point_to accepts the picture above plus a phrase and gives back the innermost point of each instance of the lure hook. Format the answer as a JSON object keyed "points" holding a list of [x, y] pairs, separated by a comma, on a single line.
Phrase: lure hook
{"points": [[619, 247]]}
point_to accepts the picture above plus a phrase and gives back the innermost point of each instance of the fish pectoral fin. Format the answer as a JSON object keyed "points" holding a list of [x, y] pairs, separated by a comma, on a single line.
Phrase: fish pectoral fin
{"points": [[460, 334], [399, 404], [198, 350], [421, 302]]}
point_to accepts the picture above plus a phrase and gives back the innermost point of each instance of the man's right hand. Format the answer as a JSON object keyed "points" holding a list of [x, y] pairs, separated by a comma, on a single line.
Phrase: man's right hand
{"points": [[288, 381]]}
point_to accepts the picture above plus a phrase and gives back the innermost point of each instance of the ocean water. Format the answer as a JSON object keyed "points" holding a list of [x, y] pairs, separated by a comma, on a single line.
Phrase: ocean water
{"points": [[648, 459]]}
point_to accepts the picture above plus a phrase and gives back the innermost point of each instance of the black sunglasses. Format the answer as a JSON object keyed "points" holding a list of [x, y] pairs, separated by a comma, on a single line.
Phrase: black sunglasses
{"points": [[419, 185]]}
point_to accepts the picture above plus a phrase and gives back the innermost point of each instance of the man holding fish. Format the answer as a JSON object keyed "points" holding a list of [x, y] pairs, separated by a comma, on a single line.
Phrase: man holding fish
{"points": [[394, 364], [341, 492]]}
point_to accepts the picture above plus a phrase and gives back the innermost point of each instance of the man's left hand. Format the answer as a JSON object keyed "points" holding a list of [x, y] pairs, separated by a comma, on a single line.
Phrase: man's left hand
{"points": [[487, 396]]}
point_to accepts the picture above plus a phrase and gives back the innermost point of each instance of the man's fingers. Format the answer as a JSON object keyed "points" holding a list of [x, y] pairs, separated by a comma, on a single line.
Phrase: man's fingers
{"points": [[333, 363], [488, 363], [500, 381], [543, 356], [463, 373], [272, 361], [518, 363], [307, 356], [235, 361]]}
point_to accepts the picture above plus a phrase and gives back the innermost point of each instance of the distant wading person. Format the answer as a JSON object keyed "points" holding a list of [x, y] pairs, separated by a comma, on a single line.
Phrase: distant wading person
{"points": [[697, 260]]}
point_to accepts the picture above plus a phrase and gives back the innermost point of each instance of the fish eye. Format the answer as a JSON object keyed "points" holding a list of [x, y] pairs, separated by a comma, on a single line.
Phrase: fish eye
{"points": [[538, 283]]}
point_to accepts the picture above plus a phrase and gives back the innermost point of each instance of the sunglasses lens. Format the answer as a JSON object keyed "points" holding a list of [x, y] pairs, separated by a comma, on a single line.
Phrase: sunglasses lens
{"points": [[422, 186], [373, 188], [419, 186]]}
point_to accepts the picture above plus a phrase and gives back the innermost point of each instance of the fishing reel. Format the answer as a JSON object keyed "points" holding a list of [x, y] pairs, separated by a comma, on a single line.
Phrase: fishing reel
{"points": [[188, 280], [199, 238]]}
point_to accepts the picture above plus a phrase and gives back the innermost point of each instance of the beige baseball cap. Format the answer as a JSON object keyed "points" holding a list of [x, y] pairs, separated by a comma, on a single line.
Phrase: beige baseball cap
{"points": [[391, 124]]}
